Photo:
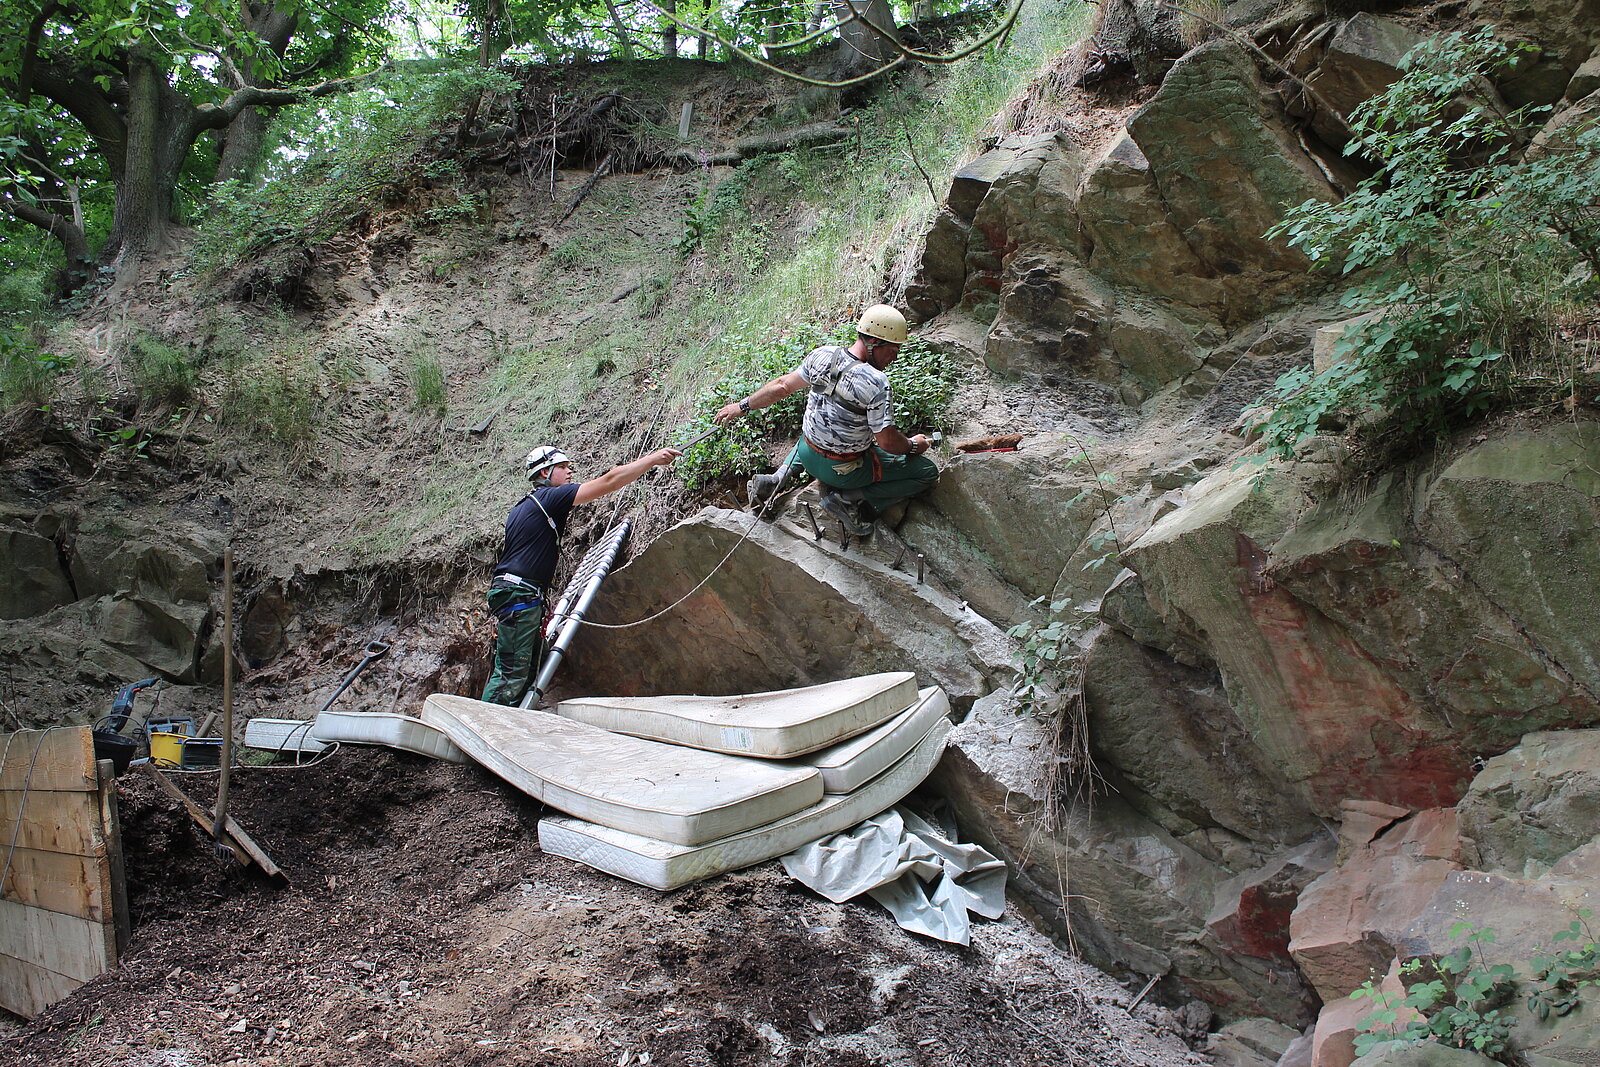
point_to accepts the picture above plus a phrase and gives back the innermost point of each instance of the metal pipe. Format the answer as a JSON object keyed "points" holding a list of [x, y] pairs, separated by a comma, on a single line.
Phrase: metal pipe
{"points": [[815, 529], [605, 554], [607, 547], [922, 565]]}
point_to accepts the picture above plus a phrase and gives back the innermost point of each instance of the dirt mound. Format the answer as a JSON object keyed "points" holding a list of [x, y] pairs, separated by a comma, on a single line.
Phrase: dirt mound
{"points": [[422, 925]]}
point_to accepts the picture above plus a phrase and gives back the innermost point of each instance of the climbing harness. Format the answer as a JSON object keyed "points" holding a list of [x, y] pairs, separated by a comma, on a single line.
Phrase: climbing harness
{"points": [[828, 386]]}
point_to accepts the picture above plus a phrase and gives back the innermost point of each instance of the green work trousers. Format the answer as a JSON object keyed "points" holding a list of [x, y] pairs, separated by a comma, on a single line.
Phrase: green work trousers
{"points": [[516, 642], [902, 477]]}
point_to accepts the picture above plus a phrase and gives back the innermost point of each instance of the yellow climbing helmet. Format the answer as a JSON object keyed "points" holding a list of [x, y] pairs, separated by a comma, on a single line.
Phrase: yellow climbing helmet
{"points": [[884, 323]]}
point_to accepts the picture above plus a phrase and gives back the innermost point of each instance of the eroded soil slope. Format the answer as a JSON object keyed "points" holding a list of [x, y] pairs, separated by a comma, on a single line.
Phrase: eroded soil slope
{"points": [[424, 926]]}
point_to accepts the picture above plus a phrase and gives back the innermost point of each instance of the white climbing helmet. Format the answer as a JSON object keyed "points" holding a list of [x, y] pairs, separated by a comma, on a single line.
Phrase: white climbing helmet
{"points": [[883, 322], [541, 459]]}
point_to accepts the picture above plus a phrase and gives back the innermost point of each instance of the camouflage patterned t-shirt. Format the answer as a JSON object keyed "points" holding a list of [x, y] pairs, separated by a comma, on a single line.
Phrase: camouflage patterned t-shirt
{"points": [[844, 418]]}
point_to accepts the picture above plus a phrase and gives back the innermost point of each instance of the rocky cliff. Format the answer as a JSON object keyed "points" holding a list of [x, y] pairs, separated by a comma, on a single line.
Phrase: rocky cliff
{"points": [[1289, 679], [1320, 713]]}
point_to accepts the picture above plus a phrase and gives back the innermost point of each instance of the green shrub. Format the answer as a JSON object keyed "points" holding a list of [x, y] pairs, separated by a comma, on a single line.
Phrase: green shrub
{"points": [[922, 378], [28, 375], [1461, 999], [163, 373], [274, 395], [1468, 251]]}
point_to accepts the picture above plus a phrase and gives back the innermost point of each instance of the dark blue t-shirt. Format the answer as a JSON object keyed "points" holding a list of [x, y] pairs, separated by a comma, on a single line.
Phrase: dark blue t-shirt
{"points": [[531, 545]]}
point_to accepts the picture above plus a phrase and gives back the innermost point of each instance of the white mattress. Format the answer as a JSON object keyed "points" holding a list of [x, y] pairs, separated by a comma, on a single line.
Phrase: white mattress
{"points": [[281, 735], [847, 766], [667, 792], [776, 725], [381, 728], [663, 865]]}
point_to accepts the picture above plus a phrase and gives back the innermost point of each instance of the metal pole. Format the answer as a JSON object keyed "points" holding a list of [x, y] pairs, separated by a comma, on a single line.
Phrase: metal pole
{"points": [[605, 554], [225, 851], [815, 529]]}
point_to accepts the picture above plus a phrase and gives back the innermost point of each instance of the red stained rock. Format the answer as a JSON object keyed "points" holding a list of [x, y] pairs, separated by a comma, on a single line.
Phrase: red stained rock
{"points": [[1349, 921]]}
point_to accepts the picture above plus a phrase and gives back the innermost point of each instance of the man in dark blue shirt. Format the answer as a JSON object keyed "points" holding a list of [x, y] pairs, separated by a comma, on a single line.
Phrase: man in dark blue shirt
{"points": [[521, 581]]}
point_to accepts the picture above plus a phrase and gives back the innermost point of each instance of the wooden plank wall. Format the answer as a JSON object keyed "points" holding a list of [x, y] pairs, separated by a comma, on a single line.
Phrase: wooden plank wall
{"points": [[63, 908]]}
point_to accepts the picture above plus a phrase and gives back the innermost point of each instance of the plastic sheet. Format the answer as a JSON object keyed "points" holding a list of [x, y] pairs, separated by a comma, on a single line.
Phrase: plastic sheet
{"points": [[928, 882]]}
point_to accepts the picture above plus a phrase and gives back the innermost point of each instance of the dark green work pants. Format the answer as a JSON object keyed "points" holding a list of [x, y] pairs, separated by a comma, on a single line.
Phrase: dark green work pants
{"points": [[902, 476], [519, 618]]}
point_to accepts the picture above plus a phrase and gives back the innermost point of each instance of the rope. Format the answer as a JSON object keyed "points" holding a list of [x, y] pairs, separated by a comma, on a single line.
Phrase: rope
{"points": [[742, 538]]}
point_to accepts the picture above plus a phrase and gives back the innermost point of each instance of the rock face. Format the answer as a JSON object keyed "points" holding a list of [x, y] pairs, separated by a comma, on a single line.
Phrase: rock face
{"points": [[121, 607], [1532, 806], [1258, 663], [780, 611], [1227, 168], [1318, 718], [32, 580]]}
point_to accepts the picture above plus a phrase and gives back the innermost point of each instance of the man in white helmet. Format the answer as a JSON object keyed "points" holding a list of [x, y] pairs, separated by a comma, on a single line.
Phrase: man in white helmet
{"points": [[850, 443], [521, 581]]}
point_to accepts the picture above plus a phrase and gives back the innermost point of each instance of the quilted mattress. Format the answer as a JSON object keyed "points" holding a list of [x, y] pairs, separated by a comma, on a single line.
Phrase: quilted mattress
{"points": [[777, 725], [849, 765], [664, 865], [380, 728], [281, 735], [666, 792]]}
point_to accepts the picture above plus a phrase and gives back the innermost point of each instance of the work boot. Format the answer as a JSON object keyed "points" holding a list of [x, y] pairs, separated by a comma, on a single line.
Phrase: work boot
{"points": [[762, 486], [847, 512]]}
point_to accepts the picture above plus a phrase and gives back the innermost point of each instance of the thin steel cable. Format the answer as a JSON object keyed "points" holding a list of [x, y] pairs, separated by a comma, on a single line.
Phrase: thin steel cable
{"points": [[27, 783], [742, 538]]}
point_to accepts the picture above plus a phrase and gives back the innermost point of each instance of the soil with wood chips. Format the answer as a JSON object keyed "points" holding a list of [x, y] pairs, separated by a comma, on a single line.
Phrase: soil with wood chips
{"points": [[422, 925]]}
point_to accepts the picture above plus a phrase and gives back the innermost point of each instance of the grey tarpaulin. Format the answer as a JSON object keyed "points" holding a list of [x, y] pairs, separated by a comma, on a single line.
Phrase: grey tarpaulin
{"points": [[927, 881]]}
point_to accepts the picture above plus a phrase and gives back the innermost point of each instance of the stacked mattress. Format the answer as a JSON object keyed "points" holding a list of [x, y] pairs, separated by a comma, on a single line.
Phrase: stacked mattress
{"points": [[667, 790]]}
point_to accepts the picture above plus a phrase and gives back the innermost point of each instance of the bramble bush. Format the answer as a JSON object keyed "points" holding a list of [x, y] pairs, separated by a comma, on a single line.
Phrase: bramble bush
{"points": [[1469, 252], [1461, 1000]]}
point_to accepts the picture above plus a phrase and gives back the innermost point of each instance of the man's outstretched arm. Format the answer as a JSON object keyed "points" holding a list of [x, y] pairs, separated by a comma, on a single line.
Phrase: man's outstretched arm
{"points": [[624, 475], [766, 396]]}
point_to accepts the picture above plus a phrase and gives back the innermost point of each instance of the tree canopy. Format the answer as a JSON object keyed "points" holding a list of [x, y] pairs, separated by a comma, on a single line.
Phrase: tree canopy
{"points": [[118, 116], [112, 114]]}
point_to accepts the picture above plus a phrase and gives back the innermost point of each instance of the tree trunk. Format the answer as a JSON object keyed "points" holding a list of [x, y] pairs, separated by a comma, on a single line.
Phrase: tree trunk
{"points": [[160, 134], [139, 219], [241, 146], [862, 46], [624, 40], [243, 138], [669, 30]]}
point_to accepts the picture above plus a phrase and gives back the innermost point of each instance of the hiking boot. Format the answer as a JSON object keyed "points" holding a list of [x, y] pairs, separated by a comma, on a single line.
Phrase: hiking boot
{"points": [[848, 513]]}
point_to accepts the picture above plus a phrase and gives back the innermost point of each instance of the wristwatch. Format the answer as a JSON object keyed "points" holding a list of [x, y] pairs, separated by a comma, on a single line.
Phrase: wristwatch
{"points": [[744, 406]]}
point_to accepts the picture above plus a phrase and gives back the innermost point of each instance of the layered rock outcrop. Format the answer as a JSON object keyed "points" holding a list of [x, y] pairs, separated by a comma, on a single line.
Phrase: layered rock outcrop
{"points": [[115, 603], [1288, 686]]}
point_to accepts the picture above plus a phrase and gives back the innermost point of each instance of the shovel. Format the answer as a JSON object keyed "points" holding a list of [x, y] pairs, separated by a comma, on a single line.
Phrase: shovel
{"points": [[373, 650]]}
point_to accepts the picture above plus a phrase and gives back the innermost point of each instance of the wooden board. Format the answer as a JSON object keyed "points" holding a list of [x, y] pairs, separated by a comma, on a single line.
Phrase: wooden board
{"points": [[27, 989], [53, 822], [55, 881], [64, 944], [117, 880], [59, 760], [63, 907]]}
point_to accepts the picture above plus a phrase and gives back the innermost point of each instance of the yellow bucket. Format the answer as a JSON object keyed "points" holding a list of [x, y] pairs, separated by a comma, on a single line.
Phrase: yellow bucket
{"points": [[166, 750]]}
